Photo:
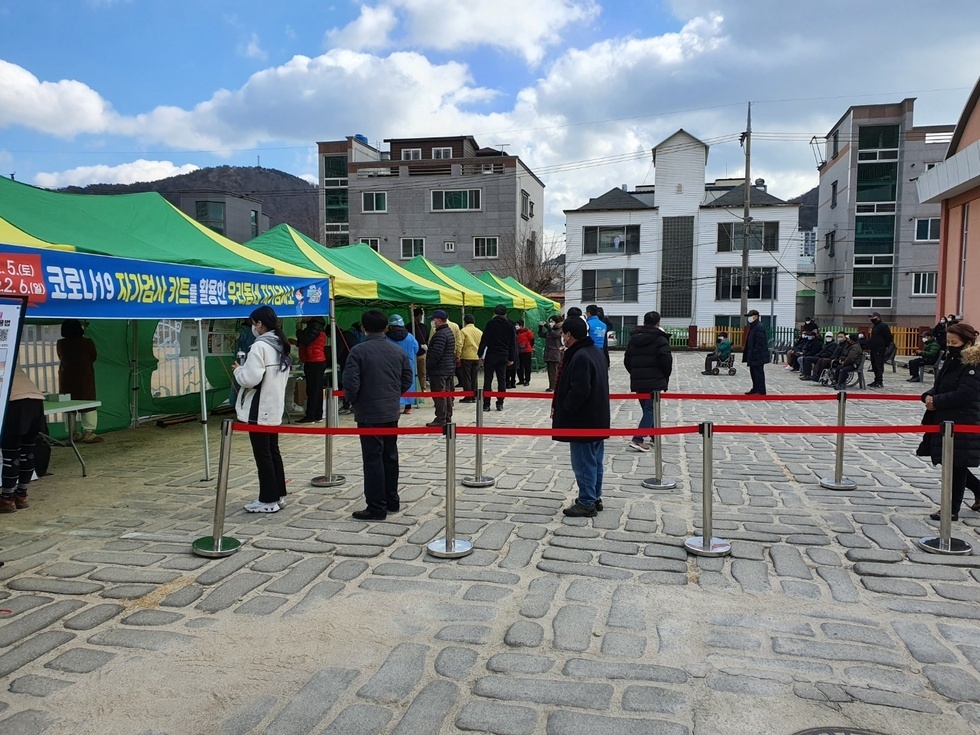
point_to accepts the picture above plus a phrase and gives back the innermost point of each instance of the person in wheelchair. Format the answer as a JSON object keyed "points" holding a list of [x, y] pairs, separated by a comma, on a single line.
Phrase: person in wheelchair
{"points": [[808, 364], [850, 361], [822, 371], [721, 355]]}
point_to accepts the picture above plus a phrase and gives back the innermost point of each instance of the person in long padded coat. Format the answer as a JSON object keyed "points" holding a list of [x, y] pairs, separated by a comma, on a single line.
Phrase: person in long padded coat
{"points": [[956, 397], [649, 363], [756, 354]]}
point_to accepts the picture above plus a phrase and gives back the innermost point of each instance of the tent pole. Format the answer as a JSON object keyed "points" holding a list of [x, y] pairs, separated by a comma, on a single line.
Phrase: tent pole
{"points": [[204, 399], [134, 398], [328, 478]]}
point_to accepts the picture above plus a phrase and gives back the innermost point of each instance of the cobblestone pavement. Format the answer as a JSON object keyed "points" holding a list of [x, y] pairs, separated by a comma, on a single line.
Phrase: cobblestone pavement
{"points": [[825, 613]]}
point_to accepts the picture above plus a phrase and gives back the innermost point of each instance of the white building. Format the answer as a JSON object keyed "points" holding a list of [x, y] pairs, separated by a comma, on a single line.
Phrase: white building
{"points": [[676, 247]]}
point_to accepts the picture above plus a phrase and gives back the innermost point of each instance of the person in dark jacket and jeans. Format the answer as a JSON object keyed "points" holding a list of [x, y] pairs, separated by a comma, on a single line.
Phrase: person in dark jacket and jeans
{"points": [[649, 363], [375, 376], [756, 354], [311, 337], [498, 351], [440, 362], [581, 401], [881, 338], [956, 397]]}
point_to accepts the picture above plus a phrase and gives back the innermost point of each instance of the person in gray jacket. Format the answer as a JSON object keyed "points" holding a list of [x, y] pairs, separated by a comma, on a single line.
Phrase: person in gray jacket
{"points": [[375, 376]]}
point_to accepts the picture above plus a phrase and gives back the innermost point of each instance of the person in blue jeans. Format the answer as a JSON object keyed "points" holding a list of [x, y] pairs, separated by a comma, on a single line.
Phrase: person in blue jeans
{"points": [[581, 401], [649, 363]]}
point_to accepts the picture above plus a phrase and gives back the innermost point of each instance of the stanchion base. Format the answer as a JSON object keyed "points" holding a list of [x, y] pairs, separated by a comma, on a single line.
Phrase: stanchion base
{"points": [[933, 544], [718, 547], [325, 481], [205, 546], [478, 481], [459, 548], [659, 483], [831, 484]]}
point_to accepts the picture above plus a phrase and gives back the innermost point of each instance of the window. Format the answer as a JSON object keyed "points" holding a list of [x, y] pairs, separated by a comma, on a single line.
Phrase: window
{"points": [[924, 284], [334, 171], [872, 288], [614, 239], [931, 165], [412, 246], [373, 242], [254, 221], [374, 201], [610, 285], [833, 194], [828, 290], [411, 154], [762, 236], [485, 247], [449, 246], [442, 152], [677, 268], [728, 283], [835, 144], [450, 200], [530, 209], [525, 204], [830, 241], [486, 168], [874, 235], [335, 205], [927, 229], [211, 214]]}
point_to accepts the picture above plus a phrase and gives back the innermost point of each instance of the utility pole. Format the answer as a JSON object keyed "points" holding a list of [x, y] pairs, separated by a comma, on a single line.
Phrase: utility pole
{"points": [[746, 218]]}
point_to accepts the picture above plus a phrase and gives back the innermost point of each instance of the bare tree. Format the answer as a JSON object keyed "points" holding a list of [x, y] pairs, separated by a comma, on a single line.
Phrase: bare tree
{"points": [[532, 260]]}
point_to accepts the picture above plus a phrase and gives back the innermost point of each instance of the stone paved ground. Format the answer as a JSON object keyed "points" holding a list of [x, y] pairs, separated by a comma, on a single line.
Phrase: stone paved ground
{"points": [[824, 614]]}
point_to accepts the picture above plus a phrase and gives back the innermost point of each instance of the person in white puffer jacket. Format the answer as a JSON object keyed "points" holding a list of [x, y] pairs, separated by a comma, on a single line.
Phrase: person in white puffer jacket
{"points": [[261, 401]]}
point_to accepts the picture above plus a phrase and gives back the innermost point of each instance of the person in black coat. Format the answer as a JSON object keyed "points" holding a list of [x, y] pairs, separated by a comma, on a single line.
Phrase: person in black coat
{"points": [[440, 362], [756, 354], [581, 401], [939, 333], [498, 351], [956, 397], [881, 338], [649, 363]]}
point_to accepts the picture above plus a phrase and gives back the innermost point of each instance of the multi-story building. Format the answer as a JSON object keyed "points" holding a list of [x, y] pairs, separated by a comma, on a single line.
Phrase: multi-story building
{"points": [[676, 247], [878, 247], [444, 198], [237, 217]]}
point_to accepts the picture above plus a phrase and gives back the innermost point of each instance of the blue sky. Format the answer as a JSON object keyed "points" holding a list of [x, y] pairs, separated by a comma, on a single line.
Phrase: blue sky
{"points": [[124, 90]]}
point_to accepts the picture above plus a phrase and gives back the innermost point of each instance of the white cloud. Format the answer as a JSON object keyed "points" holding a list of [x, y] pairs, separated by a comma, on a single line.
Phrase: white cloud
{"points": [[251, 49], [64, 108], [449, 25], [124, 173]]}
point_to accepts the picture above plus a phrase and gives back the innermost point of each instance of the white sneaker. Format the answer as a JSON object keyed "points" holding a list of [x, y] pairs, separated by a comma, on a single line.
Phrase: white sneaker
{"points": [[639, 447], [282, 502], [257, 507], [788, 367]]}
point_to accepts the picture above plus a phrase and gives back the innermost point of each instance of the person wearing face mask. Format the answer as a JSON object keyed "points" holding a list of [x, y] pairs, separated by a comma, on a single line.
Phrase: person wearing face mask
{"points": [[721, 353], [928, 355], [939, 333], [552, 348], [824, 351], [756, 354], [825, 360], [263, 379], [881, 338], [956, 397]]}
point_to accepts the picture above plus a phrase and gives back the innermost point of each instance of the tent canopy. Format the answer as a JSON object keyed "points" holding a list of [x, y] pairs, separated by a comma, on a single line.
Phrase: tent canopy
{"points": [[513, 286], [459, 277], [140, 226]]}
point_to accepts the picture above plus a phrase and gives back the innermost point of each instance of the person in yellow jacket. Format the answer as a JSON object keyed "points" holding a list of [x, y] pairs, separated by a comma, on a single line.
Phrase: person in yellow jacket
{"points": [[469, 371]]}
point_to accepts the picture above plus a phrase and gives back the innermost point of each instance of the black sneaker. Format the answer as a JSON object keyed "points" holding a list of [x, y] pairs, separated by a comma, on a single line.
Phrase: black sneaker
{"points": [[486, 406], [500, 407], [598, 505], [366, 515], [580, 511]]}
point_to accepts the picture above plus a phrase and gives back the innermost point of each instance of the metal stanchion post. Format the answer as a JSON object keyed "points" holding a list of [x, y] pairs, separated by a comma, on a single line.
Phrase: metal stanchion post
{"points": [[217, 545], [478, 479], [450, 547], [839, 482], [328, 478], [658, 481], [944, 543], [706, 544]]}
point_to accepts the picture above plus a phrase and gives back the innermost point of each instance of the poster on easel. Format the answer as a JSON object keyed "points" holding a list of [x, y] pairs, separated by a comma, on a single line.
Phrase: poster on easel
{"points": [[220, 336], [12, 310]]}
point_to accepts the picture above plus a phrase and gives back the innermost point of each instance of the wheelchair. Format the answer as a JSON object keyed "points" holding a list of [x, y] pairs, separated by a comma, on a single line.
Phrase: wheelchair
{"points": [[727, 364], [854, 378]]}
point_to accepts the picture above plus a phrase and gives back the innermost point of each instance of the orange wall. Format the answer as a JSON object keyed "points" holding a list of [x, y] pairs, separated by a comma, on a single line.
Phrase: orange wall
{"points": [[950, 264]]}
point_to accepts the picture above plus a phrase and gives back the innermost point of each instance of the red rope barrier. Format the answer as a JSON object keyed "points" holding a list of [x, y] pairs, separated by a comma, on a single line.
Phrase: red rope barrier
{"points": [[337, 430], [739, 397], [425, 394], [883, 397], [507, 431], [792, 429]]}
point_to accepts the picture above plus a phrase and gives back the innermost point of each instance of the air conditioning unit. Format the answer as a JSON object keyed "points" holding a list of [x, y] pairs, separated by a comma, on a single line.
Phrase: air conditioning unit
{"points": [[449, 246], [487, 168]]}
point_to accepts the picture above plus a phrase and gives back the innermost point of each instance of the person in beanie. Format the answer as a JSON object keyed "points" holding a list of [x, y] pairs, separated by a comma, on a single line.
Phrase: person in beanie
{"points": [[398, 335], [441, 365], [263, 378], [756, 354], [881, 338], [498, 351], [378, 371], [649, 363], [581, 401]]}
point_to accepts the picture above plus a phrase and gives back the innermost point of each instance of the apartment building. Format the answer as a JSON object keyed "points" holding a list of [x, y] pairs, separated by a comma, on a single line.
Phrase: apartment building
{"points": [[444, 197], [676, 247], [237, 217], [877, 246]]}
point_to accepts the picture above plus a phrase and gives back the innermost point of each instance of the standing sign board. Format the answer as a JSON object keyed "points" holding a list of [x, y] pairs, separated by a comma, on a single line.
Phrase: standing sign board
{"points": [[12, 310]]}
